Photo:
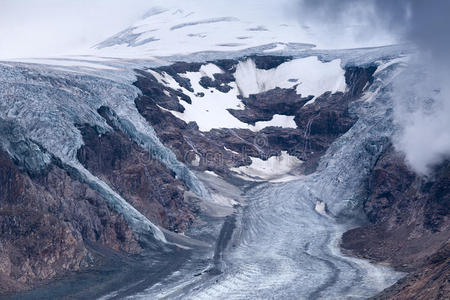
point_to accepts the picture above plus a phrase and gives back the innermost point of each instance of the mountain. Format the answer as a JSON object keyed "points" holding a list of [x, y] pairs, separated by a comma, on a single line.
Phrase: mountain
{"points": [[207, 153]]}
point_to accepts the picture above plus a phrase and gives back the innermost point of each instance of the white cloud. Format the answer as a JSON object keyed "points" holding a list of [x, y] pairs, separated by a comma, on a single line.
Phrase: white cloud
{"points": [[422, 111]]}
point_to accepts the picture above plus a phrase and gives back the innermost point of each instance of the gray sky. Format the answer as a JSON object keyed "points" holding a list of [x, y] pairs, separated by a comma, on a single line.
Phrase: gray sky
{"points": [[51, 27], [426, 23]]}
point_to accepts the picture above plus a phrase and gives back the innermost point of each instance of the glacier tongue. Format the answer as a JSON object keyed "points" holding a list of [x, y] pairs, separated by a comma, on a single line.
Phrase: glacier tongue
{"points": [[287, 243]]}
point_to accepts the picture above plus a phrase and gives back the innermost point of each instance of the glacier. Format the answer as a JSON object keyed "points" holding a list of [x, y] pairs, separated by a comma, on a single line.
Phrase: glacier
{"points": [[287, 235]]}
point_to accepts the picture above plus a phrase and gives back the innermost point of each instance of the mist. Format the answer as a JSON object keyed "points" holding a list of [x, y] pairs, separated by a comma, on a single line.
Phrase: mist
{"points": [[421, 92]]}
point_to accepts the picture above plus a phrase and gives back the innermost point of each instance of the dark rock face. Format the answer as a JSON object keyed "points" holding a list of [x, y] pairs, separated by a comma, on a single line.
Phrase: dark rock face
{"points": [[268, 62], [319, 123], [46, 224], [262, 107], [409, 223], [431, 281], [139, 178]]}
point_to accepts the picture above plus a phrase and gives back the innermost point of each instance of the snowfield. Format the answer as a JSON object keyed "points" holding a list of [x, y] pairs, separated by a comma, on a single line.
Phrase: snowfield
{"points": [[194, 26], [209, 108], [309, 75]]}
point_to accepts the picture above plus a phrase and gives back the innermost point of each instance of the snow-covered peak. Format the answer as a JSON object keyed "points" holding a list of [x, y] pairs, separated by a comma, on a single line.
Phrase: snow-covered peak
{"points": [[201, 26]]}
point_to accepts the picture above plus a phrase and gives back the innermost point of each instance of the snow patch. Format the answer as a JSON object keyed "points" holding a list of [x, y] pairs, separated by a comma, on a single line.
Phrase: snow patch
{"points": [[276, 168], [277, 121], [196, 161], [211, 173], [209, 70], [211, 110], [223, 201], [313, 77], [229, 150]]}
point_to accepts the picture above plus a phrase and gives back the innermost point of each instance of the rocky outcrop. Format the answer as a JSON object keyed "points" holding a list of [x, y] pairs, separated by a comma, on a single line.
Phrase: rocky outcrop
{"points": [[47, 222], [319, 123], [138, 177], [409, 224], [262, 107], [431, 281]]}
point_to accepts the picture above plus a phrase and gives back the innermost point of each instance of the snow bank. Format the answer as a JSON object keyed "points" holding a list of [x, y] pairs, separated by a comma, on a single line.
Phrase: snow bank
{"points": [[310, 75], [276, 168]]}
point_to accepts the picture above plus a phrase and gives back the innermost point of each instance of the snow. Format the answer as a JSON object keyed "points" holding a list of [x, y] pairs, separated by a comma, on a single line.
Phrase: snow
{"points": [[67, 63], [278, 47], [277, 121], [229, 150], [320, 207], [211, 110], [196, 161], [312, 77], [209, 70], [223, 200], [275, 169], [192, 26], [211, 173]]}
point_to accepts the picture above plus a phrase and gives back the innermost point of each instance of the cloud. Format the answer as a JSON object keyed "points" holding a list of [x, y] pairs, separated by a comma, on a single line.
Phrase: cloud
{"points": [[422, 92]]}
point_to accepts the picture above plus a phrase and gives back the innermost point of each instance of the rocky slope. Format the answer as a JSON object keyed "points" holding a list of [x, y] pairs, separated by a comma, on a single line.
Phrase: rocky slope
{"points": [[430, 281], [132, 171], [409, 226], [52, 220], [47, 222], [316, 125]]}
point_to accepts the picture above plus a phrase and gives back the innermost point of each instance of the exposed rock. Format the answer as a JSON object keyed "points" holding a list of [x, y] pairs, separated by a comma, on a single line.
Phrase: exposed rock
{"points": [[46, 224], [430, 281], [141, 179], [409, 224], [262, 107], [268, 62]]}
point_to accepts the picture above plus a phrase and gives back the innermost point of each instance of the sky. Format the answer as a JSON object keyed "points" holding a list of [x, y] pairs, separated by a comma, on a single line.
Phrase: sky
{"points": [[36, 28]]}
